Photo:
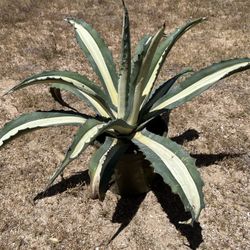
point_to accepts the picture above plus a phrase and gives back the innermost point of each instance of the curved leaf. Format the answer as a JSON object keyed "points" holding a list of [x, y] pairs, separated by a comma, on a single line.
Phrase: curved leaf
{"points": [[162, 53], [199, 82], [98, 55], [140, 81], [40, 119], [159, 92], [102, 164], [75, 80], [141, 50], [85, 135], [57, 96], [176, 167], [69, 77], [94, 101]]}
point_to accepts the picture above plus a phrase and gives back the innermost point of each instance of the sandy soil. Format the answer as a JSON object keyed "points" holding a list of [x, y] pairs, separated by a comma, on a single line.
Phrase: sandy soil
{"points": [[214, 128]]}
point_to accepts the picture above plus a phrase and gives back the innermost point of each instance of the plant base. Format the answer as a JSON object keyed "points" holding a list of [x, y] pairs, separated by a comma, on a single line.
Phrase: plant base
{"points": [[133, 175]]}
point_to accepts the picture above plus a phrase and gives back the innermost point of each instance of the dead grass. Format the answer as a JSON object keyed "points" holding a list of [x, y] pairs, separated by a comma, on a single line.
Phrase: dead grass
{"points": [[16, 11], [33, 38]]}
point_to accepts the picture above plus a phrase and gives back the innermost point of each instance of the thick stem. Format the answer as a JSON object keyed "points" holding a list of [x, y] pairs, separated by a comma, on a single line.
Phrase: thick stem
{"points": [[133, 175]]}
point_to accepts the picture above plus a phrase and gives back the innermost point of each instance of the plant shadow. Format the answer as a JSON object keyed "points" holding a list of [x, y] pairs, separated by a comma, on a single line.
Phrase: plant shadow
{"points": [[174, 209], [125, 211], [127, 207], [202, 159], [171, 204], [81, 178], [188, 135]]}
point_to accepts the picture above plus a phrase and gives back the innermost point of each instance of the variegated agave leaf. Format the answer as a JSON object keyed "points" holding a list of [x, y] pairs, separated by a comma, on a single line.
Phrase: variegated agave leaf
{"points": [[86, 134], [162, 52], [159, 92], [140, 52], [98, 55], [199, 82], [94, 102], [176, 167], [140, 79], [76, 84], [71, 78], [125, 70], [40, 119], [102, 165]]}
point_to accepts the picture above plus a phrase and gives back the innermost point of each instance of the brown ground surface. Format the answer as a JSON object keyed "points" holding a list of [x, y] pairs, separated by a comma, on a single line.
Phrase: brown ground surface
{"points": [[33, 38]]}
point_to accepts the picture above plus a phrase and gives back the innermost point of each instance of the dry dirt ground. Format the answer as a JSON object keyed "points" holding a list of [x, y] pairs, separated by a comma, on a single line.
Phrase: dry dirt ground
{"points": [[214, 128]]}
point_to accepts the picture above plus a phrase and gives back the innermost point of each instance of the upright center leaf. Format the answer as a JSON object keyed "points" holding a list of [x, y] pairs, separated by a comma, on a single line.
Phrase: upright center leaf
{"points": [[125, 66]]}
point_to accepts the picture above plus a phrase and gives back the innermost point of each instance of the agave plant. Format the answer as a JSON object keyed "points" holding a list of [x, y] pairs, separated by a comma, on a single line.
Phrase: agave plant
{"points": [[125, 103]]}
